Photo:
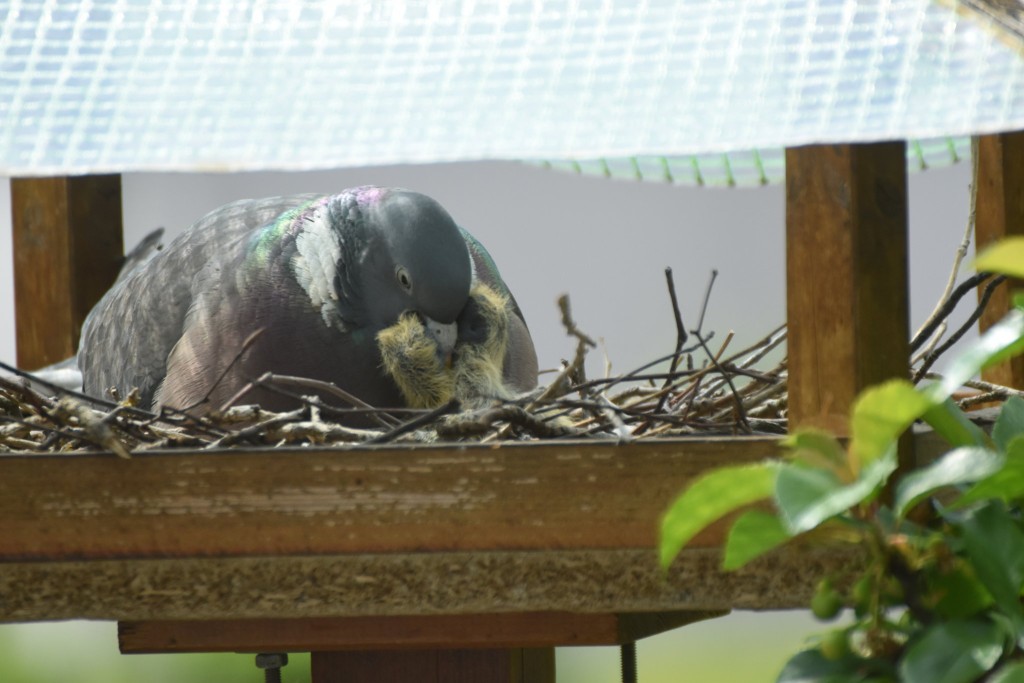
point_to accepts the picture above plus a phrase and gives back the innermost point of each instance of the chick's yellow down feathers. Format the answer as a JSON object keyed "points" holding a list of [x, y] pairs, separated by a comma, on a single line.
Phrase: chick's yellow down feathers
{"points": [[475, 376]]}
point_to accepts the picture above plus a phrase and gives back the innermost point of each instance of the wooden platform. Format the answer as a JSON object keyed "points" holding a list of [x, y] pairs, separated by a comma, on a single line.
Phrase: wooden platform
{"points": [[439, 549], [483, 631], [369, 532]]}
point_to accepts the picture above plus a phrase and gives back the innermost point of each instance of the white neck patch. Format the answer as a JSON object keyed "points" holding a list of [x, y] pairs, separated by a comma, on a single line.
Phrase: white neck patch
{"points": [[318, 249]]}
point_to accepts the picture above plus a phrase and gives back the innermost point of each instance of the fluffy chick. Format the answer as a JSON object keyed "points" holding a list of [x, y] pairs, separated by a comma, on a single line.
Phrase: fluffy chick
{"points": [[475, 376]]}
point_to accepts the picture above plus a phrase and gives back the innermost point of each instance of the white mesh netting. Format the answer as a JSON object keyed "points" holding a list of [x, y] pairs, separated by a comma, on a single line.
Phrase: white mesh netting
{"points": [[120, 85]]}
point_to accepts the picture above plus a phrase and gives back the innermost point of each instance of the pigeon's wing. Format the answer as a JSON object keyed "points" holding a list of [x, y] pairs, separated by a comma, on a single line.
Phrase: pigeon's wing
{"points": [[66, 373], [195, 362], [520, 367], [141, 254], [127, 337]]}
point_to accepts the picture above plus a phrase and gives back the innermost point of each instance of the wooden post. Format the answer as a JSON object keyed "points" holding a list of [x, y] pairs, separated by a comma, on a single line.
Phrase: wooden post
{"points": [[999, 213], [68, 247], [488, 630], [846, 281], [531, 665]]}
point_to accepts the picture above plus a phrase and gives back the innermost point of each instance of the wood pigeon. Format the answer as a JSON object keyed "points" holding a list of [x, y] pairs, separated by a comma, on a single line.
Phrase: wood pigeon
{"points": [[374, 289]]}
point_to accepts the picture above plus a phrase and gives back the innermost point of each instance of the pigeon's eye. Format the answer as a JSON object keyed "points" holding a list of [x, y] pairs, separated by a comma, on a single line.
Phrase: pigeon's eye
{"points": [[403, 278]]}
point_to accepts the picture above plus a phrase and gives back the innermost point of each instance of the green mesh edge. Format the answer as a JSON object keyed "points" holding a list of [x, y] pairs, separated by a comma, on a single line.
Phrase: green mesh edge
{"points": [[740, 169]]}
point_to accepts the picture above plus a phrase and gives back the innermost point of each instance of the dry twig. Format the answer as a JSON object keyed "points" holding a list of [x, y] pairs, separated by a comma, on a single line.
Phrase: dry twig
{"points": [[729, 394]]}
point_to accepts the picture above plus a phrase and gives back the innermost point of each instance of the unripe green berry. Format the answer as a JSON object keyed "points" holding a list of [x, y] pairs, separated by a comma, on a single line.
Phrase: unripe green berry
{"points": [[826, 606], [835, 645], [862, 594], [826, 603]]}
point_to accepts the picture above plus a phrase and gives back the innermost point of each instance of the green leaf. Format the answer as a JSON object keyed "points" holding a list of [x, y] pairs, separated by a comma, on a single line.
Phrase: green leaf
{"points": [[1000, 341], [799, 491], [1010, 422], [959, 591], [810, 666], [754, 533], [816, 441], [1011, 350], [1007, 484], [807, 497], [880, 414], [710, 497], [1005, 257], [958, 466], [1012, 672], [953, 425], [953, 652], [995, 546]]}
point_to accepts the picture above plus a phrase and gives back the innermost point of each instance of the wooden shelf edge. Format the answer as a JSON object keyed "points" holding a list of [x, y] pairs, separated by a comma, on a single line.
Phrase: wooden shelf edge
{"points": [[403, 584], [297, 501], [599, 494], [514, 629]]}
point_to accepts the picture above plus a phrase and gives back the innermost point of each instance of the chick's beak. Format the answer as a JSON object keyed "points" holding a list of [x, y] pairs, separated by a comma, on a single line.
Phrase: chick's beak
{"points": [[444, 335]]}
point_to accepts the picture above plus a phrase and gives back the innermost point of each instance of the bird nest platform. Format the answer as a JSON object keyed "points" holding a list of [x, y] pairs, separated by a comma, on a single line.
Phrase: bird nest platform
{"points": [[703, 388], [544, 502], [530, 521], [726, 395], [531, 516]]}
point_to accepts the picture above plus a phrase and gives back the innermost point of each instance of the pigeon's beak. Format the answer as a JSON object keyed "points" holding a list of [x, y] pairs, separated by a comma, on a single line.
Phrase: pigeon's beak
{"points": [[444, 335]]}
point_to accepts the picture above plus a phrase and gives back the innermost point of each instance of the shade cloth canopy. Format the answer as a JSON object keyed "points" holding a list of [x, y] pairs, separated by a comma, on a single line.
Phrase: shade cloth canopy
{"points": [[121, 85]]}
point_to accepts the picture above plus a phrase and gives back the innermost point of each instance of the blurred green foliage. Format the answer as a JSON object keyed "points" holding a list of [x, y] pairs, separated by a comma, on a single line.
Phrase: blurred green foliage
{"points": [[938, 596]]}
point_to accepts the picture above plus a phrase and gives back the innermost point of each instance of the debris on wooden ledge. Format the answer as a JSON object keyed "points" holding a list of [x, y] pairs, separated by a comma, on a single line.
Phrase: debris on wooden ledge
{"points": [[705, 391], [638, 405]]}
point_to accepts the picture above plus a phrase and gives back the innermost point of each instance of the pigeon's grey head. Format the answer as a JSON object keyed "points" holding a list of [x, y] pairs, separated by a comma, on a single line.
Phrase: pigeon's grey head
{"points": [[417, 259], [370, 254]]}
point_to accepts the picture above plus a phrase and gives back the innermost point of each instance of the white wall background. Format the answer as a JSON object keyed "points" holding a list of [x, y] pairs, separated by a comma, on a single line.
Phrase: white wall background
{"points": [[606, 243]]}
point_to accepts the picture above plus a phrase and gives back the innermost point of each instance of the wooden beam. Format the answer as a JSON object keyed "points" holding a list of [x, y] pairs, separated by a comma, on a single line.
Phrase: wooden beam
{"points": [[846, 276], [444, 631], [254, 578], [535, 665], [68, 248], [999, 213], [396, 584], [372, 532], [297, 501]]}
